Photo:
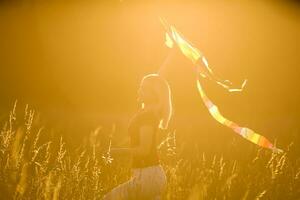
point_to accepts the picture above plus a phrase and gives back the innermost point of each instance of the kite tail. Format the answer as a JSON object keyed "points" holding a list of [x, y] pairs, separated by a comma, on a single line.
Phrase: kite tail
{"points": [[193, 54], [245, 132], [196, 56]]}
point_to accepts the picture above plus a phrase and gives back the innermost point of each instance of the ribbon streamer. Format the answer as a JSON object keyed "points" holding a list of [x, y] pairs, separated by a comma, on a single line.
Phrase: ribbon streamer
{"points": [[245, 132], [196, 56], [193, 54]]}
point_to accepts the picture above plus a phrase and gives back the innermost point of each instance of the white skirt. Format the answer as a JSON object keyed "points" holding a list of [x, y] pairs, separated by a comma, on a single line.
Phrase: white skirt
{"points": [[145, 183]]}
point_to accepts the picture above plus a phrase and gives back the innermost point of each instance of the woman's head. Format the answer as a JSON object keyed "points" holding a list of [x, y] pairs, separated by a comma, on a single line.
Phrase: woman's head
{"points": [[155, 92]]}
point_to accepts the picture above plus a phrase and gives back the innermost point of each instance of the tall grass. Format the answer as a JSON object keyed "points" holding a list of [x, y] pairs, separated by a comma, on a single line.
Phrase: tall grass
{"points": [[36, 167]]}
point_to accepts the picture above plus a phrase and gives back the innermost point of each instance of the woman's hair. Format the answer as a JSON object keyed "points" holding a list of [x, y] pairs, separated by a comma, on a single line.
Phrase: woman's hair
{"points": [[161, 88]]}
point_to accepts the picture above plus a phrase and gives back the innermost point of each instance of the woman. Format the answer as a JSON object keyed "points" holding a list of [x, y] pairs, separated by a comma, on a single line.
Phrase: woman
{"points": [[148, 178]]}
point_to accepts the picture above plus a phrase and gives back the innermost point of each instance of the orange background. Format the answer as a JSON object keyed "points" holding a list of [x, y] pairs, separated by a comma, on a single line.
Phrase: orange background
{"points": [[79, 64]]}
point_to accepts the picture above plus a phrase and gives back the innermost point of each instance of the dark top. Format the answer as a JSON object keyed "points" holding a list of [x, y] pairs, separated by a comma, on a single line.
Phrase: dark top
{"points": [[140, 119]]}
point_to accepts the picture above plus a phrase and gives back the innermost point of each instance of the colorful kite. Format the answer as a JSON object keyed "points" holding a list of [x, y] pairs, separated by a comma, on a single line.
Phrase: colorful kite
{"points": [[192, 53]]}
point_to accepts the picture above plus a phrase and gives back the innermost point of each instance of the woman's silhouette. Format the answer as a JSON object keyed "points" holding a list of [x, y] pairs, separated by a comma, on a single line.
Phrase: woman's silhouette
{"points": [[148, 178]]}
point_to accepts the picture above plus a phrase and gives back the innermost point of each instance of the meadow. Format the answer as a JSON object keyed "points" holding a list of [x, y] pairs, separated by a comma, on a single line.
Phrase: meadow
{"points": [[34, 165]]}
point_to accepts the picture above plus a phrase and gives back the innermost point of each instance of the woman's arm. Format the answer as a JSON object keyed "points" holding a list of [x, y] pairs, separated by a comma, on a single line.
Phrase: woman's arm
{"points": [[146, 133], [120, 151]]}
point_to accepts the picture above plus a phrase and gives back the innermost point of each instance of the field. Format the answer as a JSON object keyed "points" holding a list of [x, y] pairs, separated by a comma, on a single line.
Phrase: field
{"points": [[36, 166]]}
